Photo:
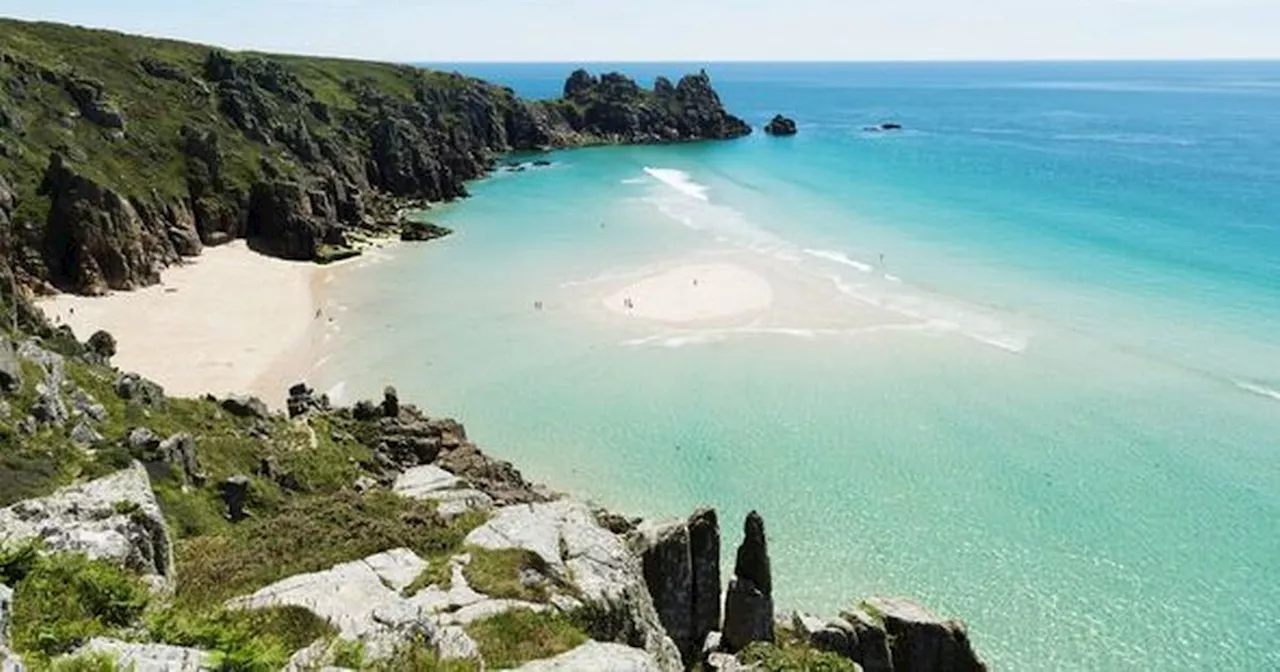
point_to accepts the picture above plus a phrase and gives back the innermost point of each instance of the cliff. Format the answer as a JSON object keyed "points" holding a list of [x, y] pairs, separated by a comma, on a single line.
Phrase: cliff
{"points": [[127, 154]]}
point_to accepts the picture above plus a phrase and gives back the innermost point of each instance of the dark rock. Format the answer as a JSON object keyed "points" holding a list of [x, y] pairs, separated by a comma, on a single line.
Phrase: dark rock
{"points": [[704, 559], [921, 641], [180, 451], [102, 345], [135, 388], [781, 126], [164, 70], [365, 411], [664, 555], [234, 492], [748, 609], [890, 126], [243, 406], [390, 402], [303, 400], [869, 643], [616, 522], [422, 231], [84, 435], [90, 98], [85, 406], [542, 163], [10, 367], [579, 84]]}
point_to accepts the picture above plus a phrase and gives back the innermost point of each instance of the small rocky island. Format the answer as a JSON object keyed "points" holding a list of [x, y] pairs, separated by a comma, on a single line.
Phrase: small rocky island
{"points": [[781, 126]]}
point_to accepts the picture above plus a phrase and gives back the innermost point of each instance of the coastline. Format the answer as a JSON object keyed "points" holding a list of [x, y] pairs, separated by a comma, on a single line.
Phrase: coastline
{"points": [[229, 321]]}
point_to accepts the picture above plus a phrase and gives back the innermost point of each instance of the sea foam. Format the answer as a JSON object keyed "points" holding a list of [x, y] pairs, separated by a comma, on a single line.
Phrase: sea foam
{"points": [[1260, 390], [680, 181], [840, 258]]}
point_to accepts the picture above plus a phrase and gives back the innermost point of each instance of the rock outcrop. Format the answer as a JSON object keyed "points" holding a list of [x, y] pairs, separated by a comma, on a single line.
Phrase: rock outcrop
{"points": [[681, 563], [113, 518], [453, 495], [609, 578], [781, 126], [748, 605], [149, 657], [922, 641], [597, 656]]}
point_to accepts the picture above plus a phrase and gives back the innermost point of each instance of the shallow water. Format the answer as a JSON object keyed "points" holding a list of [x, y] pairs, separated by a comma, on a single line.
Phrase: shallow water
{"points": [[1052, 409]]}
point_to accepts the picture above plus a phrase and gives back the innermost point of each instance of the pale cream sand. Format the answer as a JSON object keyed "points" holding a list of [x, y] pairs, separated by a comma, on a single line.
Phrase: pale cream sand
{"points": [[228, 322], [693, 293]]}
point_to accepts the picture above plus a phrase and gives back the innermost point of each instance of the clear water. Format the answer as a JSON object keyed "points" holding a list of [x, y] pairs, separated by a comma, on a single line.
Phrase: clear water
{"points": [[1070, 434]]}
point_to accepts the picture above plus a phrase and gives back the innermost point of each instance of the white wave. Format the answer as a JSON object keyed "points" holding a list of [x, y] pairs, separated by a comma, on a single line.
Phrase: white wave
{"points": [[677, 339], [680, 181], [1260, 390], [335, 393], [840, 258]]}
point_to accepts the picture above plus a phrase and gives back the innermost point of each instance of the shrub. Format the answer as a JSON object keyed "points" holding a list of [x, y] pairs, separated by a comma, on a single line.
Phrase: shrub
{"points": [[65, 599]]}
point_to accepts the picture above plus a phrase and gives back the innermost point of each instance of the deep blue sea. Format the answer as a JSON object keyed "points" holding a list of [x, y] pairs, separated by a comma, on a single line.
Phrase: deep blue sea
{"points": [[1051, 408]]}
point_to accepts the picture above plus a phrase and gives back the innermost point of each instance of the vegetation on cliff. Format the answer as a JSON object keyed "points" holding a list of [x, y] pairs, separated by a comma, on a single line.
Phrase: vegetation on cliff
{"points": [[128, 153]]}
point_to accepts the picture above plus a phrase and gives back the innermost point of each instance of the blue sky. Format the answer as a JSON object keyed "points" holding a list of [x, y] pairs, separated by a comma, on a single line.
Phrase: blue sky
{"points": [[697, 30]]}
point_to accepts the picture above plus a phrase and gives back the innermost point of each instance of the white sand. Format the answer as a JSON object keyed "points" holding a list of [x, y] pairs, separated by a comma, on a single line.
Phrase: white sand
{"points": [[220, 324], [694, 293]]}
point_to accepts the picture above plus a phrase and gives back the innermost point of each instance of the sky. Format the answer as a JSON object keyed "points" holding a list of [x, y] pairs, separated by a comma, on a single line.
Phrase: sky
{"points": [[696, 30]]}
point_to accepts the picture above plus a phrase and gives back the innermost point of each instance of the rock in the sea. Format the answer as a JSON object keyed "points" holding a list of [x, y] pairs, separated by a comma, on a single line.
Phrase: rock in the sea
{"points": [[608, 576], [243, 406], [597, 656], [748, 608], [148, 657], [781, 126], [10, 367], [422, 231], [922, 641], [113, 518]]}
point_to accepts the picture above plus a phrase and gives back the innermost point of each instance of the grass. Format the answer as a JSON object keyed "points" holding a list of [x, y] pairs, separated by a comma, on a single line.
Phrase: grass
{"points": [[792, 653], [497, 573], [419, 655], [261, 639], [308, 534], [62, 600], [521, 635], [438, 573]]}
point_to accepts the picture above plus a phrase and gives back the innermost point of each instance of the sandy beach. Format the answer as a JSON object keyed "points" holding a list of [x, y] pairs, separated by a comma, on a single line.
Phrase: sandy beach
{"points": [[229, 321], [692, 293]]}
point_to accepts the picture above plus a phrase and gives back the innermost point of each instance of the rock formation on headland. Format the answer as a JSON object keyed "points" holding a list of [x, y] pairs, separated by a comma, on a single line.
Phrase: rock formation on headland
{"points": [[129, 153], [781, 126]]}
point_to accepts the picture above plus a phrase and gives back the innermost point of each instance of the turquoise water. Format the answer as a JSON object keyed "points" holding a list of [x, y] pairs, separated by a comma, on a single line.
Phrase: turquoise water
{"points": [[1053, 410]]}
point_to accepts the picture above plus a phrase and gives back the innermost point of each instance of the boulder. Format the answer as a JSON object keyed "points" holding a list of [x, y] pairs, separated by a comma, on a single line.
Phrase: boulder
{"points": [[113, 518], [135, 388], [243, 406], [303, 400], [608, 576], [453, 495], [149, 657], [6, 608], [179, 450], [102, 345], [922, 641], [10, 368], [748, 608], [234, 492], [781, 126], [597, 656]]}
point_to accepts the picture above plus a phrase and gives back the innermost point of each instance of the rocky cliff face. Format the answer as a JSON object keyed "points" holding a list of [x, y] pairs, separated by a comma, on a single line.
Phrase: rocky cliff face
{"points": [[130, 153]]}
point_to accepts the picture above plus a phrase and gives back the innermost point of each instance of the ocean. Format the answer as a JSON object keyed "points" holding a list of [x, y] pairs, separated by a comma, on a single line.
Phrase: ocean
{"points": [[1051, 408]]}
